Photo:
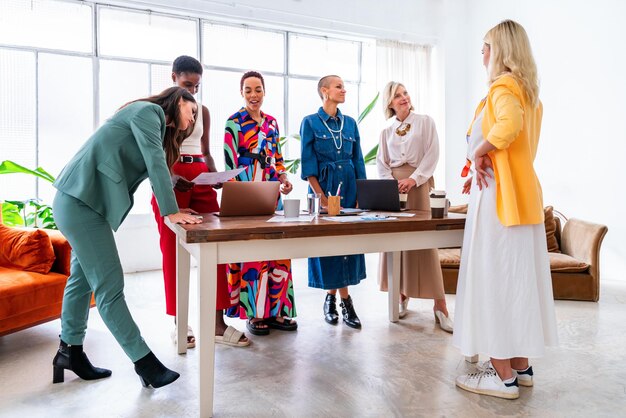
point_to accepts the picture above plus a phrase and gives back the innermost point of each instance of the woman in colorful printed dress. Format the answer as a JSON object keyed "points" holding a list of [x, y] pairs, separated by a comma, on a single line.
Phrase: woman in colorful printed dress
{"points": [[332, 156], [504, 304], [260, 291], [195, 158]]}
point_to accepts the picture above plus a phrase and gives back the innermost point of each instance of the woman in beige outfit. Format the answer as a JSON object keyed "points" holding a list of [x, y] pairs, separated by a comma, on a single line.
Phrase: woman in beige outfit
{"points": [[408, 152]]}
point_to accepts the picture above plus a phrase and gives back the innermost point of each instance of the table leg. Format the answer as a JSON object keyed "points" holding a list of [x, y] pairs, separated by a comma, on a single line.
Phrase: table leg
{"points": [[393, 284], [183, 259], [207, 288]]}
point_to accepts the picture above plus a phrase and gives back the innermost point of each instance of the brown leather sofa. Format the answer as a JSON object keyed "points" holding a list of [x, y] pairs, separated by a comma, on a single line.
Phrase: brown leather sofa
{"points": [[574, 251]]}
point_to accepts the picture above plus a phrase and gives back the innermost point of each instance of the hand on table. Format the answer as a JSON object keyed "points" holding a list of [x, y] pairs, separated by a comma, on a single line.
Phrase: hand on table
{"points": [[183, 218]]}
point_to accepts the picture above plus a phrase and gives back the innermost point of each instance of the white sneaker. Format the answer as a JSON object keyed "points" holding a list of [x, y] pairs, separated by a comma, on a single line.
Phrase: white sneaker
{"points": [[488, 383], [524, 377]]}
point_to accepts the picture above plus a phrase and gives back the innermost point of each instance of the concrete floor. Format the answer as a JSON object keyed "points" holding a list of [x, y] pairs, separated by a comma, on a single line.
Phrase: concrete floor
{"points": [[404, 369]]}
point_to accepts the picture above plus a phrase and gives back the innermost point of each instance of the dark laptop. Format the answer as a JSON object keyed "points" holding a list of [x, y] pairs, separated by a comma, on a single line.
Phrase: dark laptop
{"points": [[378, 195], [249, 198]]}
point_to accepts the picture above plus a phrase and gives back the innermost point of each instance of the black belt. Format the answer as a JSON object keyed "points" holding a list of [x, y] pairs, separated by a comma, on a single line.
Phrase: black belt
{"points": [[263, 159], [190, 159]]}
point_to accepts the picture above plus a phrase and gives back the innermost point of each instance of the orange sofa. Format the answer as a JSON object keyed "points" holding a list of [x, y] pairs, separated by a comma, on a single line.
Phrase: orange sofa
{"points": [[29, 298]]}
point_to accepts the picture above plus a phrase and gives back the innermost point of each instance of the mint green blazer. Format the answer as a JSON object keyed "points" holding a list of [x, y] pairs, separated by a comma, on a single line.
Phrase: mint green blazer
{"points": [[123, 152]]}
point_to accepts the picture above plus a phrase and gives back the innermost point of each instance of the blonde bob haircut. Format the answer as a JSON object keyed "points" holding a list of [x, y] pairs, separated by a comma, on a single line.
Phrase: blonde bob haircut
{"points": [[510, 53], [389, 92]]}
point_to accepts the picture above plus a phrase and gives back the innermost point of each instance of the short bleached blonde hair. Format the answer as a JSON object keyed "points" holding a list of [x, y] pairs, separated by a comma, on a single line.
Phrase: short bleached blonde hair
{"points": [[389, 92], [510, 53]]}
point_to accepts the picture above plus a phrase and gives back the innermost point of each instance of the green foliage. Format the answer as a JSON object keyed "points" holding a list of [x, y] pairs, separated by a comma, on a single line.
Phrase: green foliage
{"points": [[9, 167], [370, 157], [368, 109], [30, 212]]}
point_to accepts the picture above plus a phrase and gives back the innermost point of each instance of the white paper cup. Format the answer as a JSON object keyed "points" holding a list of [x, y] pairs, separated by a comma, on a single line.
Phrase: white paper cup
{"points": [[404, 197], [438, 203], [291, 208]]}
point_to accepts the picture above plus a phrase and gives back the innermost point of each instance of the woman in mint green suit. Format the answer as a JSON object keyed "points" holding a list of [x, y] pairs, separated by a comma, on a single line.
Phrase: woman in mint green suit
{"points": [[95, 193]]}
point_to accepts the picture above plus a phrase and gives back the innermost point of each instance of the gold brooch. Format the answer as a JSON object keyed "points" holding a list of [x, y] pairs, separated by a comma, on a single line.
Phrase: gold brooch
{"points": [[401, 131]]}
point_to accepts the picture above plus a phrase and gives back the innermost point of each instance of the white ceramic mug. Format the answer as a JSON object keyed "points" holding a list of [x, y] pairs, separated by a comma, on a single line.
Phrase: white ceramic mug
{"points": [[291, 208]]}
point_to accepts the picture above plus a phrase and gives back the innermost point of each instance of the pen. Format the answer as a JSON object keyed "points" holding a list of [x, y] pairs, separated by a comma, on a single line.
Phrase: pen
{"points": [[338, 189]]}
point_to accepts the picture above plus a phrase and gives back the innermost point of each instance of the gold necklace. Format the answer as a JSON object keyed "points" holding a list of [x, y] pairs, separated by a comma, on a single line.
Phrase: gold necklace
{"points": [[401, 131]]}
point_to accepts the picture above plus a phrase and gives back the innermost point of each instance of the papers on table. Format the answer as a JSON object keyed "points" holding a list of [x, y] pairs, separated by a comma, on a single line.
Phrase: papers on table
{"points": [[362, 218], [392, 214], [301, 218], [369, 216], [216, 178]]}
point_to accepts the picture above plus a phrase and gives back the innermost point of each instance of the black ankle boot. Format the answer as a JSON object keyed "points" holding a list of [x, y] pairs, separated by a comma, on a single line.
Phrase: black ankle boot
{"points": [[72, 357], [330, 309], [152, 372], [349, 315]]}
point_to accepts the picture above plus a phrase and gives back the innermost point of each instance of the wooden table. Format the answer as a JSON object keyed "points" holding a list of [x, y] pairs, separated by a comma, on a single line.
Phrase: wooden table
{"points": [[239, 239]]}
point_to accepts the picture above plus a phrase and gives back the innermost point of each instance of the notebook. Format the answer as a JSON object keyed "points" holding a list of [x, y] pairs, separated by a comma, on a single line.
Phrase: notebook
{"points": [[378, 195], [249, 198]]}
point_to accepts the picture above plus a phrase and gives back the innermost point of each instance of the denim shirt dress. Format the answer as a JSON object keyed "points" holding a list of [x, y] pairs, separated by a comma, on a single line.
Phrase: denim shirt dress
{"points": [[333, 161]]}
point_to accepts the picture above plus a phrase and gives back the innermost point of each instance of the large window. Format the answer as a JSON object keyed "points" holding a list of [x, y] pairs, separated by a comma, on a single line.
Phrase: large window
{"points": [[66, 66]]}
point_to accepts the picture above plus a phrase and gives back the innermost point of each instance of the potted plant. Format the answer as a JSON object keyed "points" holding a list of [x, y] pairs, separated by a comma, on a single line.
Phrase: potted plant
{"points": [[30, 212]]}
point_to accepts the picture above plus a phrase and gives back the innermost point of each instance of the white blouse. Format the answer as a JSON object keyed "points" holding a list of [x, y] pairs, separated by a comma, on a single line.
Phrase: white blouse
{"points": [[419, 148], [192, 144]]}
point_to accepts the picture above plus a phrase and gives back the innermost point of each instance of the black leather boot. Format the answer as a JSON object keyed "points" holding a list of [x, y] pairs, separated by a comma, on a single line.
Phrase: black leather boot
{"points": [[330, 309], [152, 372], [72, 357], [349, 315]]}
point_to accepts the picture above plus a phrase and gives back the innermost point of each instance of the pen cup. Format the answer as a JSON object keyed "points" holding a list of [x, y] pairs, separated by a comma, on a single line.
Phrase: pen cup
{"points": [[334, 205]]}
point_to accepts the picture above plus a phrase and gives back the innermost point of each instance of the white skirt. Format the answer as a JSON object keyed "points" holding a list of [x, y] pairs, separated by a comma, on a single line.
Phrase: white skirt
{"points": [[504, 303]]}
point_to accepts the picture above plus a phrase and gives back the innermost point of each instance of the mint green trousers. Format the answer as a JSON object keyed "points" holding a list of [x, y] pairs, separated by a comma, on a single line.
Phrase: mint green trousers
{"points": [[96, 268]]}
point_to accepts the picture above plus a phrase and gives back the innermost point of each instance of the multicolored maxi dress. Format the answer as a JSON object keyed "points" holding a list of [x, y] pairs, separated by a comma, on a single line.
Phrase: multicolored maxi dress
{"points": [[260, 289]]}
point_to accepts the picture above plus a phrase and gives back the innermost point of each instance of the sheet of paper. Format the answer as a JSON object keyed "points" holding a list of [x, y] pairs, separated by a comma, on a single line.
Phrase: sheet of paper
{"points": [[301, 218], [218, 177], [393, 214], [363, 218]]}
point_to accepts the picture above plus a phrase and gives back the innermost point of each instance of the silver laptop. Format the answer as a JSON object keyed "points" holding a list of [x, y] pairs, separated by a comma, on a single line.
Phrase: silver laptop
{"points": [[249, 198]]}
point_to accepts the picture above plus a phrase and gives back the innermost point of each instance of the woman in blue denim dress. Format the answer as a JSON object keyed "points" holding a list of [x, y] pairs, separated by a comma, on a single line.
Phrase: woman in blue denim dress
{"points": [[331, 156]]}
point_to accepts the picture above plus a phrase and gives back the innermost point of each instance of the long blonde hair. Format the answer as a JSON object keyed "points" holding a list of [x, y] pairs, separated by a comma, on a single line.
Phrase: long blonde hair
{"points": [[510, 53]]}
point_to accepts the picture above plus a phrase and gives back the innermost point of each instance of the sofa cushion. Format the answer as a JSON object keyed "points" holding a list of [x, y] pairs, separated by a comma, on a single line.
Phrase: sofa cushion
{"points": [[26, 249], [563, 263], [450, 257], [551, 225]]}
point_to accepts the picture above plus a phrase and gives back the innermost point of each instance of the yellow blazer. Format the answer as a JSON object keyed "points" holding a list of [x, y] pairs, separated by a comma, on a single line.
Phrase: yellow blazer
{"points": [[512, 125]]}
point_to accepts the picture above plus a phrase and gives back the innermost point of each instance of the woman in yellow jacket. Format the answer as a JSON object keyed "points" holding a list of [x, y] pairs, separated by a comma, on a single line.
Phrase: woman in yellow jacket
{"points": [[504, 307]]}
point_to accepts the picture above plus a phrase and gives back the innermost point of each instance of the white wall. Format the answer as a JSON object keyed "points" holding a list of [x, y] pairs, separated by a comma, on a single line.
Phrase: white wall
{"points": [[580, 57]]}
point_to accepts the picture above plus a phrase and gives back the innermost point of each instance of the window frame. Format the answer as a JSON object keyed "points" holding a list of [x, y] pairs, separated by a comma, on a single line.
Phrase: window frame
{"points": [[200, 20]]}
